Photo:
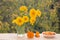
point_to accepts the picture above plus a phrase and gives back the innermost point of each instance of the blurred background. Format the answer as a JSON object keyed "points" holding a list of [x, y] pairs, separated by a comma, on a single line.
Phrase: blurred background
{"points": [[49, 20]]}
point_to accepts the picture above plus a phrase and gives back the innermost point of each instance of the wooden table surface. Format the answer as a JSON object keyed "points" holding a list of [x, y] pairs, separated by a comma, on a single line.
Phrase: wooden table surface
{"points": [[13, 36]]}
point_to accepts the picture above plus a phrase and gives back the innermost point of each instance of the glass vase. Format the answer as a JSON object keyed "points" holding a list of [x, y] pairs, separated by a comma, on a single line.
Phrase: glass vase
{"points": [[20, 31]]}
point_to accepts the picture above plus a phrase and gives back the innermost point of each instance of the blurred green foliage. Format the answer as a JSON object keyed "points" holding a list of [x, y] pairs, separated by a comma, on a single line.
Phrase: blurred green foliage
{"points": [[49, 20]]}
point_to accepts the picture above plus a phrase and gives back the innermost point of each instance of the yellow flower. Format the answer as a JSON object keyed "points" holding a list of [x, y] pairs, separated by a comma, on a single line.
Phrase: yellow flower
{"points": [[32, 21], [38, 12], [25, 18], [33, 13], [19, 21], [23, 8]]}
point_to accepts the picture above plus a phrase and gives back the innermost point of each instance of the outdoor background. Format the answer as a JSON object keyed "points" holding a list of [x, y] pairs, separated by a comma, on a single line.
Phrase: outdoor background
{"points": [[49, 20]]}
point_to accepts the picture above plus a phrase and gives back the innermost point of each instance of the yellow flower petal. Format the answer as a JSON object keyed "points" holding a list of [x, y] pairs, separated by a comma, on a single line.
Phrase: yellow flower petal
{"points": [[25, 18], [23, 8], [32, 21], [38, 12], [19, 21], [14, 21], [33, 13]]}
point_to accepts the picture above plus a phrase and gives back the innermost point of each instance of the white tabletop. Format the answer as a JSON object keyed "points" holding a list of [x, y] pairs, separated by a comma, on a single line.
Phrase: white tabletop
{"points": [[8, 36], [13, 36]]}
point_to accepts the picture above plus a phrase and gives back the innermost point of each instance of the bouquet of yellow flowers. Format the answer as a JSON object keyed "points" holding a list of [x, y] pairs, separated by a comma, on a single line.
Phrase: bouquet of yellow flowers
{"points": [[26, 17]]}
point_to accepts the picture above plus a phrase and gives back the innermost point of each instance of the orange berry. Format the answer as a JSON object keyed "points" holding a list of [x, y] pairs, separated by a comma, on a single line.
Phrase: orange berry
{"points": [[37, 34], [30, 34]]}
